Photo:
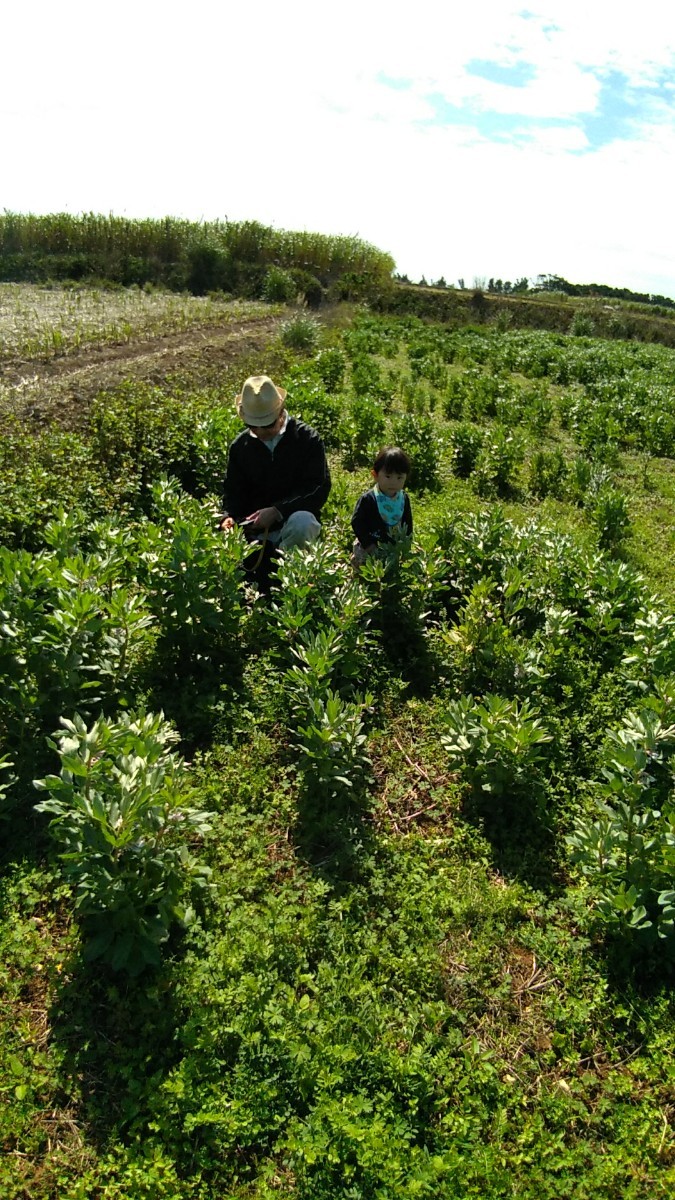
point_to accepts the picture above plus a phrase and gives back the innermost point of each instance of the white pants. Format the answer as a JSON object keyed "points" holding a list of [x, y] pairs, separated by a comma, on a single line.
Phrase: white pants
{"points": [[300, 529]]}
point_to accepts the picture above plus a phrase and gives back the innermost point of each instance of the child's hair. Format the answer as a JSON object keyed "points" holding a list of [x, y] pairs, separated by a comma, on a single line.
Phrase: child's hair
{"points": [[394, 460]]}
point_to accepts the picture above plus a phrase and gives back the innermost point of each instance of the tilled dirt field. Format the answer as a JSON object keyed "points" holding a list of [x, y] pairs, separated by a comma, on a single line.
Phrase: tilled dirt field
{"points": [[61, 389]]}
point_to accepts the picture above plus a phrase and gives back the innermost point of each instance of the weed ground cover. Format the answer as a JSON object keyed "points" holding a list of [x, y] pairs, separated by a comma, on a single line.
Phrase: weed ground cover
{"points": [[430, 808]]}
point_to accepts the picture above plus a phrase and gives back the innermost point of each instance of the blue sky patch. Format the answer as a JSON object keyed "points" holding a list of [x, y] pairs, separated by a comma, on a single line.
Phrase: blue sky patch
{"points": [[622, 108], [517, 75], [493, 126]]}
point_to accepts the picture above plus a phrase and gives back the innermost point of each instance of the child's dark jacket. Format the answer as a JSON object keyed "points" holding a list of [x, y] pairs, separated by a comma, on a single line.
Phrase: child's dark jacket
{"points": [[368, 524]]}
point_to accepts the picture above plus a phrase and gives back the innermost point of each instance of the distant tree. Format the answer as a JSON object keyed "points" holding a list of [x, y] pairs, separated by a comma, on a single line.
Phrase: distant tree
{"points": [[508, 287], [555, 283], [460, 284], [440, 283], [522, 285], [401, 279], [612, 293], [423, 282], [479, 283]]}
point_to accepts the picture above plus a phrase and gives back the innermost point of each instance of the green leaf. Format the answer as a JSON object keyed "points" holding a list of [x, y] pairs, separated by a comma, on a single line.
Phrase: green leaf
{"points": [[122, 951], [74, 764]]}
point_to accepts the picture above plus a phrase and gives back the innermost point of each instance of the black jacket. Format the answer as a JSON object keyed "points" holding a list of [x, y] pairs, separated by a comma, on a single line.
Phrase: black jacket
{"points": [[368, 524], [292, 477]]}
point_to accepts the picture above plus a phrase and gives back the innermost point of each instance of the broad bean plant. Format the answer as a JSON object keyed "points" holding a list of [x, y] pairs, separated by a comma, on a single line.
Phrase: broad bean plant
{"points": [[323, 620], [125, 835], [497, 744], [627, 854]]}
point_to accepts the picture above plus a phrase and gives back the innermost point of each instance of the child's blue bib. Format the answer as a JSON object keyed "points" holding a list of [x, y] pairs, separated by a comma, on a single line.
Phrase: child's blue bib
{"points": [[390, 507]]}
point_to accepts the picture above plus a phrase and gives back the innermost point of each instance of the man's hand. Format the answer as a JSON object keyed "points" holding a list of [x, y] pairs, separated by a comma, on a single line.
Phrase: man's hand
{"points": [[264, 518], [227, 524]]}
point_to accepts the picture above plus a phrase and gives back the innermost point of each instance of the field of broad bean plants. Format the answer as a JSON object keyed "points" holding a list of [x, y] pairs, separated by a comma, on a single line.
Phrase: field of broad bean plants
{"points": [[365, 889]]}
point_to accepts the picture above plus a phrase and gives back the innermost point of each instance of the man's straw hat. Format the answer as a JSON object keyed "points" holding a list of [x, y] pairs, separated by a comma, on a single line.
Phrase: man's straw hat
{"points": [[260, 401]]}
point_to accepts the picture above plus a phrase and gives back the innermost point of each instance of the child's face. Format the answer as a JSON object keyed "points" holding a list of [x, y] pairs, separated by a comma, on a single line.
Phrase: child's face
{"points": [[390, 482]]}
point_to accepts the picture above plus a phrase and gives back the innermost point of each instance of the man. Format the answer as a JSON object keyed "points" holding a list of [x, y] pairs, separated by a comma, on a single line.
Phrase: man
{"points": [[277, 478]]}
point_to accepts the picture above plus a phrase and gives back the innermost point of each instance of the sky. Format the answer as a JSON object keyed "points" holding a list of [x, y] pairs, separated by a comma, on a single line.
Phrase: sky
{"points": [[469, 140]]}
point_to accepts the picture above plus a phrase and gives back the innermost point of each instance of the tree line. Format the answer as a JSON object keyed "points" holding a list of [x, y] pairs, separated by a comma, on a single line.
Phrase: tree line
{"points": [[546, 283]]}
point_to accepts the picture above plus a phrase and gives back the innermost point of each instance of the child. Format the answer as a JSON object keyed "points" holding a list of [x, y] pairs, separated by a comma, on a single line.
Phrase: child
{"points": [[385, 507]]}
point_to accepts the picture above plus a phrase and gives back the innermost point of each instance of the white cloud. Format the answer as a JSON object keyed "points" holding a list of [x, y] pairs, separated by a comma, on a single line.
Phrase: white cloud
{"points": [[553, 140], [531, 213], [371, 100]]}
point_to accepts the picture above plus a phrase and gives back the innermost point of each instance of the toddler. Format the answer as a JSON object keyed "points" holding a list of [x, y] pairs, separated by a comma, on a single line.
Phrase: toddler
{"points": [[385, 507]]}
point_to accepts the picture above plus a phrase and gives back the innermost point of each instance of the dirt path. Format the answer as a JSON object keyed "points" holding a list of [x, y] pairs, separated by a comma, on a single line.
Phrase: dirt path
{"points": [[61, 388]]}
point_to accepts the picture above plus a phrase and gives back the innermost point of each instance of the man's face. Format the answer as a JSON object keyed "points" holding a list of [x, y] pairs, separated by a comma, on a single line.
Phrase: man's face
{"points": [[267, 432]]}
